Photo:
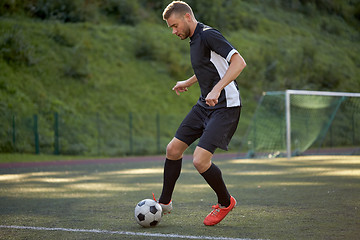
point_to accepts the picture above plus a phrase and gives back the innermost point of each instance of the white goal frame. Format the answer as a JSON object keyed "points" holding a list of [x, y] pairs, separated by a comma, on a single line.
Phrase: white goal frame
{"points": [[304, 92]]}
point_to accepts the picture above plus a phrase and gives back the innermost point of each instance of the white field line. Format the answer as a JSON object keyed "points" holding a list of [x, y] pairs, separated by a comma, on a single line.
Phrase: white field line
{"points": [[120, 233]]}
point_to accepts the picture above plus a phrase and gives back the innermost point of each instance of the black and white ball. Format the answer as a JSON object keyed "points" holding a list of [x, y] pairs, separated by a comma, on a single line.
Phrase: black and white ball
{"points": [[148, 213]]}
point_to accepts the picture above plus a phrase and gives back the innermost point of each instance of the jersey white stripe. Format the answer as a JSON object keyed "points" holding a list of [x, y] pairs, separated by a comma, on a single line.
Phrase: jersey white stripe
{"points": [[222, 65], [232, 95]]}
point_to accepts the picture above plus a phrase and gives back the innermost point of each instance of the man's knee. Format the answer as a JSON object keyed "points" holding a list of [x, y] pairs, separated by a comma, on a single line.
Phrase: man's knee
{"points": [[202, 159], [175, 149], [172, 152], [198, 164]]}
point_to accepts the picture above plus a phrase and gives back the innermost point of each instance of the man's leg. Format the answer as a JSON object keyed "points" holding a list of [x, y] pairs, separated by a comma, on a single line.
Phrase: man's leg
{"points": [[212, 174], [172, 168]]}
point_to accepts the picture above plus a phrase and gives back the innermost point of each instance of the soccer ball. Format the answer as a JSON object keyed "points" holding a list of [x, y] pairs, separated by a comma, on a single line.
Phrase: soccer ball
{"points": [[148, 213]]}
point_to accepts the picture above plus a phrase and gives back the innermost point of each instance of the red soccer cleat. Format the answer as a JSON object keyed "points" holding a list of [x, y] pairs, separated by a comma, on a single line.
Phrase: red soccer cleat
{"points": [[219, 213]]}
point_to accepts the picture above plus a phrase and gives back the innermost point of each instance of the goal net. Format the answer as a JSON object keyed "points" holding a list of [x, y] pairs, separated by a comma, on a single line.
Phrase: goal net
{"points": [[295, 122]]}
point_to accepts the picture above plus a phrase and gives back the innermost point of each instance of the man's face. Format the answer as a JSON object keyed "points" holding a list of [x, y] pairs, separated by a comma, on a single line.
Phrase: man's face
{"points": [[179, 25]]}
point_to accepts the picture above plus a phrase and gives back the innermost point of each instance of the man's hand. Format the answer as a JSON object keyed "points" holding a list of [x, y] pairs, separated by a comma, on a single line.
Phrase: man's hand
{"points": [[212, 98], [180, 87]]}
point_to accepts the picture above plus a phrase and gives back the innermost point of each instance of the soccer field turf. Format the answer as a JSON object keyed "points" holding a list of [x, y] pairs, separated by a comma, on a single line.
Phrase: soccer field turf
{"points": [[315, 197]]}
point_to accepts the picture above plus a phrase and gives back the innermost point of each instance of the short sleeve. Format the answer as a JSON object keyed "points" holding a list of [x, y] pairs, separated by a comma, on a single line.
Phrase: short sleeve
{"points": [[217, 43]]}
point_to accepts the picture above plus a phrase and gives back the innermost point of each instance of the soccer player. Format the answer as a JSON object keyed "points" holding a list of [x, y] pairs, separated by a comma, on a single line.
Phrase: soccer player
{"points": [[214, 118]]}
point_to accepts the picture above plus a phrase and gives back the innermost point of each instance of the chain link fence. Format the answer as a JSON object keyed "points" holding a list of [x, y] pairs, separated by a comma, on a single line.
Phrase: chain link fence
{"points": [[92, 134]]}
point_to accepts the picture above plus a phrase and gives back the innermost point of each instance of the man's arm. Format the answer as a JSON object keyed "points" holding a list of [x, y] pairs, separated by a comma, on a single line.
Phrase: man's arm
{"points": [[237, 64], [182, 86]]}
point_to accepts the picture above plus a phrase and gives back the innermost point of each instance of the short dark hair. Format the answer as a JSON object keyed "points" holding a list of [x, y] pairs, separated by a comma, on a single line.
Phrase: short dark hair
{"points": [[177, 7]]}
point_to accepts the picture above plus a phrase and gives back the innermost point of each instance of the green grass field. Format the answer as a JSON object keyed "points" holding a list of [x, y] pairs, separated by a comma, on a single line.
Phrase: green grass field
{"points": [[314, 197]]}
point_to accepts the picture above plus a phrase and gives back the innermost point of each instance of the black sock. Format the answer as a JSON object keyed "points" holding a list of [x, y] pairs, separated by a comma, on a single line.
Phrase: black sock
{"points": [[172, 169], [214, 178]]}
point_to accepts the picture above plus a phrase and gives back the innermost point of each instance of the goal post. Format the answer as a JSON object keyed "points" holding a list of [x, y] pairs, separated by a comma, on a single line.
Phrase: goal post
{"points": [[290, 122], [288, 93]]}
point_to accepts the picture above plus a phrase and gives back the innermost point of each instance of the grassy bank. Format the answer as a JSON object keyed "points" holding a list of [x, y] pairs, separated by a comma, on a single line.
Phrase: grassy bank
{"points": [[100, 66]]}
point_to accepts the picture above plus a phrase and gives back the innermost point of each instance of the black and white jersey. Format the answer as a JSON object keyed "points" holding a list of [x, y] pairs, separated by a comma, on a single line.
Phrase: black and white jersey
{"points": [[210, 56]]}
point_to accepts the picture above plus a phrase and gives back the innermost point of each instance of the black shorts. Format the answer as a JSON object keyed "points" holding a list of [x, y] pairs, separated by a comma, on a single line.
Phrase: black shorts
{"points": [[215, 128]]}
